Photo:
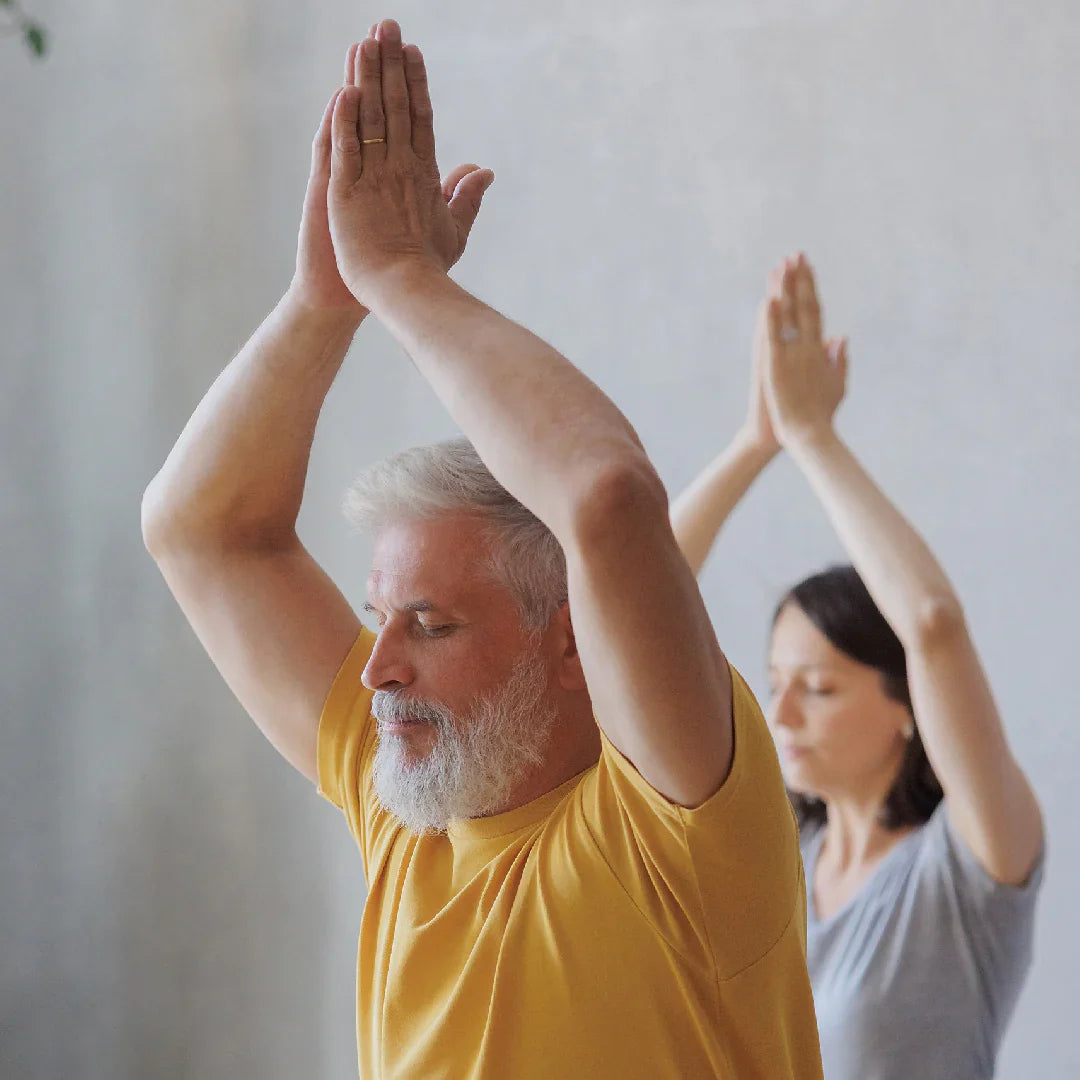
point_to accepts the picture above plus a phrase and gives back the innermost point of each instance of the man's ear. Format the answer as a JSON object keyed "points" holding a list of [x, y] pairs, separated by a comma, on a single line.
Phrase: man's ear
{"points": [[571, 676]]}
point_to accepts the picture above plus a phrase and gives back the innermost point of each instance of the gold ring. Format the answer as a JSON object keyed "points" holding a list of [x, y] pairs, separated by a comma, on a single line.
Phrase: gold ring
{"points": [[367, 142]]}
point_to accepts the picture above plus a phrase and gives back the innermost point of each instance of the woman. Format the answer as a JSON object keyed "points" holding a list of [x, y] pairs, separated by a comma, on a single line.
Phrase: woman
{"points": [[921, 837]]}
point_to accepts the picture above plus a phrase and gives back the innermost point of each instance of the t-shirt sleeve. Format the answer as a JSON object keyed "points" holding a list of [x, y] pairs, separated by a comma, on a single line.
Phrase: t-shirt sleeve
{"points": [[725, 878], [346, 747], [997, 920]]}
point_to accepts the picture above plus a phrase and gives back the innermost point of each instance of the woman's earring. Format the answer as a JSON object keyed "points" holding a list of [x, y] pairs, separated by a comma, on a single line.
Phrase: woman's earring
{"points": [[908, 730]]}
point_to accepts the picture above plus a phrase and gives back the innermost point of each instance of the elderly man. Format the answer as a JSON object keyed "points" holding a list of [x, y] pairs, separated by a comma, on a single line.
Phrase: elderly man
{"points": [[580, 857]]}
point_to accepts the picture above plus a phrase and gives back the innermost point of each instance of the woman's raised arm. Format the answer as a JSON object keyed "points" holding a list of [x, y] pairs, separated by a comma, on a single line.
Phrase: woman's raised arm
{"points": [[989, 799]]}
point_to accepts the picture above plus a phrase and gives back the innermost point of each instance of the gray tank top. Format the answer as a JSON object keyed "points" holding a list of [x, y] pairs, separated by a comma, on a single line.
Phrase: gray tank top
{"points": [[918, 974]]}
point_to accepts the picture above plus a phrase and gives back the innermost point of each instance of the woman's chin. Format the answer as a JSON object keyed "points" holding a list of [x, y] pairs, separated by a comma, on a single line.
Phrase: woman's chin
{"points": [[801, 781]]}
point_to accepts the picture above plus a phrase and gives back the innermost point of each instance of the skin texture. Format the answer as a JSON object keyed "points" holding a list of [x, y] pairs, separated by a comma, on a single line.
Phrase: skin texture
{"points": [[839, 736], [659, 683], [840, 739], [220, 517], [852, 748], [699, 513], [448, 632]]}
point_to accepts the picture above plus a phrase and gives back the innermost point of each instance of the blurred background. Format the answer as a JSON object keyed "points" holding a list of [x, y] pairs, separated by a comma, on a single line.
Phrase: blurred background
{"points": [[175, 902]]}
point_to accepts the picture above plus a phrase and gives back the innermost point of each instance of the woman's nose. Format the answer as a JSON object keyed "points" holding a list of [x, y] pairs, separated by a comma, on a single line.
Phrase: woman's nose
{"points": [[784, 710]]}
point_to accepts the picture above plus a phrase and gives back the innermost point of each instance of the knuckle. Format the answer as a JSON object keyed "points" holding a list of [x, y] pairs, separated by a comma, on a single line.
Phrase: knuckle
{"points": [[371, 114], [347, 142]]}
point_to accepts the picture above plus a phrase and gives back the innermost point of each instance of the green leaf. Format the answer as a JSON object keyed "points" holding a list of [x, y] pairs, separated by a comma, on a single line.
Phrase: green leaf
{"points": [[35, 38]]}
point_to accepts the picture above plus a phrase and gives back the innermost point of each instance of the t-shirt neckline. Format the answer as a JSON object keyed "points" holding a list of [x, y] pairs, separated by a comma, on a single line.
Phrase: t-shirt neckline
{"points": [[861, 892], [486, 828]]}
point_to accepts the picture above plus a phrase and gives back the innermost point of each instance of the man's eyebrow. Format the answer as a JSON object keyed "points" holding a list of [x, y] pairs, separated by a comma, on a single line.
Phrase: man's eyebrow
{"points": [[414, 605]]}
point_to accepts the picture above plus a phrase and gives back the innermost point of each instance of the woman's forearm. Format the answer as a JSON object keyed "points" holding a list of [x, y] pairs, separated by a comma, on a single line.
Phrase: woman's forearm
{"points": [[907, 583], [699, 513]]}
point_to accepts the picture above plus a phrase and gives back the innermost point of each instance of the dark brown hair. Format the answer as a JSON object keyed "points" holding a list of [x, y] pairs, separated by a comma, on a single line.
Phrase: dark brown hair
{"points": [[837, 602]]}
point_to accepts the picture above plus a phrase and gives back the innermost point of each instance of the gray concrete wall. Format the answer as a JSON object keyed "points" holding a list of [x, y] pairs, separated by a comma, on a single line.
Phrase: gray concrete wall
{"points": [[173, 901]]}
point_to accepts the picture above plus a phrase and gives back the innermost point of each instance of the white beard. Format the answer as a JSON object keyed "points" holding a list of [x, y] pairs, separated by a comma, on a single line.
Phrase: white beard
{"points": [[475, 762]]}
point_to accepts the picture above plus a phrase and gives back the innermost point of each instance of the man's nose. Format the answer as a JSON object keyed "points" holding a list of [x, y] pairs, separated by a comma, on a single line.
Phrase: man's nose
{"points": [[388, 667]]}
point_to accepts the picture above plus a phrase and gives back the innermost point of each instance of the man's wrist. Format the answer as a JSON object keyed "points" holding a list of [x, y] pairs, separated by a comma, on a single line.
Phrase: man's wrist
{"points": [[402, 278], [333, 320], [315, 337]]}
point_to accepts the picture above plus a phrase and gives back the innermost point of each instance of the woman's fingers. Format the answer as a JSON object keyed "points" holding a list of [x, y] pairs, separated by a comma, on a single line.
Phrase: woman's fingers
{"points": [[789, 326], [774, 317], [807, 308]]}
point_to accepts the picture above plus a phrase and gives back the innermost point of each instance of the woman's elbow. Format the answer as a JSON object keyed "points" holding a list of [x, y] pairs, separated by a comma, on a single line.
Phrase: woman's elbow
{"points": [[939, 618]]}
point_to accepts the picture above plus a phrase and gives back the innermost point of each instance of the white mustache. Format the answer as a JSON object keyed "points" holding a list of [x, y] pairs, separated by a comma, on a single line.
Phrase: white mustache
{"points": [[388, 706]]}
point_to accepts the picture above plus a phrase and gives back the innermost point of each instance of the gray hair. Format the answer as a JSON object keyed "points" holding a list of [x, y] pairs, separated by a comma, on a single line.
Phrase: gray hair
{"points": [[450, 478]]}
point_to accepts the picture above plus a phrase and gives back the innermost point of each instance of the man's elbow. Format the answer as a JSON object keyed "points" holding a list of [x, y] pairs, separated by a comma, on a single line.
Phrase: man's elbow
{"points": [[172, 525], [623, 495], [154, 520]]}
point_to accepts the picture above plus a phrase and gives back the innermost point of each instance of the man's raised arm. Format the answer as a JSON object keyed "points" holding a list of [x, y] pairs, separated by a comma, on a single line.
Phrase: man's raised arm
{"points": [[220, 516], [660, 685]]}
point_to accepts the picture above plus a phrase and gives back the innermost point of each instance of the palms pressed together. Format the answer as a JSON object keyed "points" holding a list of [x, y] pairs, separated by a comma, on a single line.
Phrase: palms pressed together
{"points": [[802, 375], [451, 204]]}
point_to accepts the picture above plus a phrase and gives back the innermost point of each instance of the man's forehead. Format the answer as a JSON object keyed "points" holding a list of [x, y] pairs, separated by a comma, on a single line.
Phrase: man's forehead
{"points": [[430, 561]]}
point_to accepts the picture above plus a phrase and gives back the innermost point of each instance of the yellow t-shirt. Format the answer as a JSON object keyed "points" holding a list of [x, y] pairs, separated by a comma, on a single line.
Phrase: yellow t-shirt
{"points": [[599, 931]]}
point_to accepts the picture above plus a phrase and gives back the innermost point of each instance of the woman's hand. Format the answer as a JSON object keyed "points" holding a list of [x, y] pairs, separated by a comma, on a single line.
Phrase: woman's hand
{"points": [[804, 375], [758, 429]]}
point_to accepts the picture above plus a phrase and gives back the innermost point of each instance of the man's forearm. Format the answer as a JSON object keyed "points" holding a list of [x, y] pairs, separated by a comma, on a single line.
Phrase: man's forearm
{"points": [[545, 430], [237, 472]]}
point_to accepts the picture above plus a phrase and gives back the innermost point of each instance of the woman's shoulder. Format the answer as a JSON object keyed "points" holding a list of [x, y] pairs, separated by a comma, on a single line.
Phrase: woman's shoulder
{"points": [[945, 854]]}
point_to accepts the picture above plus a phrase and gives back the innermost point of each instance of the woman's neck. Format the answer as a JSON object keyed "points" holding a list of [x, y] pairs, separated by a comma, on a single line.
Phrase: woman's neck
{"points": [[854, 834]]}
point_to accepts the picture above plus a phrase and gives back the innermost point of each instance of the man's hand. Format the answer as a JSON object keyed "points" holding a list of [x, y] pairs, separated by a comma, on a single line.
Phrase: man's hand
{"points": [[316, 284], [386, 204], [806, 376]]}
